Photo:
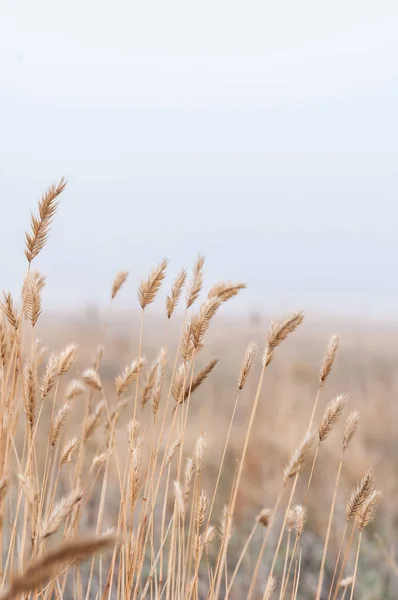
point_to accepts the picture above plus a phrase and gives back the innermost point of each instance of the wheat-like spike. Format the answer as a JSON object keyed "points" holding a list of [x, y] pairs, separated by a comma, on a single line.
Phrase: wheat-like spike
{"points": [[201, 321], [4, 341], [178, 383], [10, 311], [100, 460], [281, 329], [40, 278], [30, 391], [300, 514], [197, 543], [329, 358], [158, 381], [148, 288], [4, 485], [173, 449], [179, 498], [368, 511], [58, 423], [149, 383], [40, 226], [360, 495], [69, 449], [247, 365], [175, 293], [278, 332], [128, 375], [60, 512], [201, 510], [51, 564], [188, 474], [199, 378], [136, 463], [200, 446], [119, 280], [223, 526], [133, 429], [209, 535], [263, 516], [330, 416], [92, 379], [291, 519], [66, 358], [187, 347], [75, 388], [196, 283], [350, 427], [270, 587], [32, 298], [226, 290], [51, 374], [299, 456], [93, 420]]}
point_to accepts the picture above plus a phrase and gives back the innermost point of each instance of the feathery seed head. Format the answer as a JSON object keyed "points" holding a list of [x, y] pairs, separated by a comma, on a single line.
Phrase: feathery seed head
{"points": [[196, 283], [299, 456], [179, 498], [92, 379], [50, 376], [329, 358], [270, 587], [330, 416], [360, 495], [247, 365], [368, 511], [199, 453], [300, 514], [58, 423], [200, 322], [350, 428], [119, 280], [128, 375], [149, 287], [226, 290], [69, 449], [264, 516], [66, 358], [173, 450], [175, 294], [40, 225], [75, 388]]}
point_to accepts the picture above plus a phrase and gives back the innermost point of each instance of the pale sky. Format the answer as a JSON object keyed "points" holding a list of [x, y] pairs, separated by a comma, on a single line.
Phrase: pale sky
{"points": [[261, 134]]}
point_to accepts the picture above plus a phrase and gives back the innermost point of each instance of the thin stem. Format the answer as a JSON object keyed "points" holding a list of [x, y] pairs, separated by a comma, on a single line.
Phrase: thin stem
{"points": [[329, 528], [356, 565]]}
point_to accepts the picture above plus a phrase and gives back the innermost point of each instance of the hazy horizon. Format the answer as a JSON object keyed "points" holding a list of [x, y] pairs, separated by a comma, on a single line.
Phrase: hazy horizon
{"points": [[264, 138]]}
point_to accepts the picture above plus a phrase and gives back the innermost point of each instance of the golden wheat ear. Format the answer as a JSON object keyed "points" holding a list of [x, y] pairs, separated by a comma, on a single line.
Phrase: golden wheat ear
{"points": [[39, 571], [40, 225]]}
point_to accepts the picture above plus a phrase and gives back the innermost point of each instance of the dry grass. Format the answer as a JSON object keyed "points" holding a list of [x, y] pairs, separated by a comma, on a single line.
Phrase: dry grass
{"points": [[180, 453]]}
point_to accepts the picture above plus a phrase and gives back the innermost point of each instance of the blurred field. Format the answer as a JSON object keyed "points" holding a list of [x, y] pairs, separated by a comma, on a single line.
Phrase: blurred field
{"points": [[366, 368]]}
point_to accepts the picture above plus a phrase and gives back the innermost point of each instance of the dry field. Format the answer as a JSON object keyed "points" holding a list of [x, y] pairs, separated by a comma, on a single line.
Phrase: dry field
{"points": [[231, 458]]}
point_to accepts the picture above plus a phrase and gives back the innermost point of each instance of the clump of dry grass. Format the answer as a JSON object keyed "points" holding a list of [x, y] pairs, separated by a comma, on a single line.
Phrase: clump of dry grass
{"points": [[89, 457]]}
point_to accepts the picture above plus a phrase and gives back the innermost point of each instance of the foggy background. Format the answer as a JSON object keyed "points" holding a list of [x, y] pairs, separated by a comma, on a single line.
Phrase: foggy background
{"points": [[261, 134]]}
